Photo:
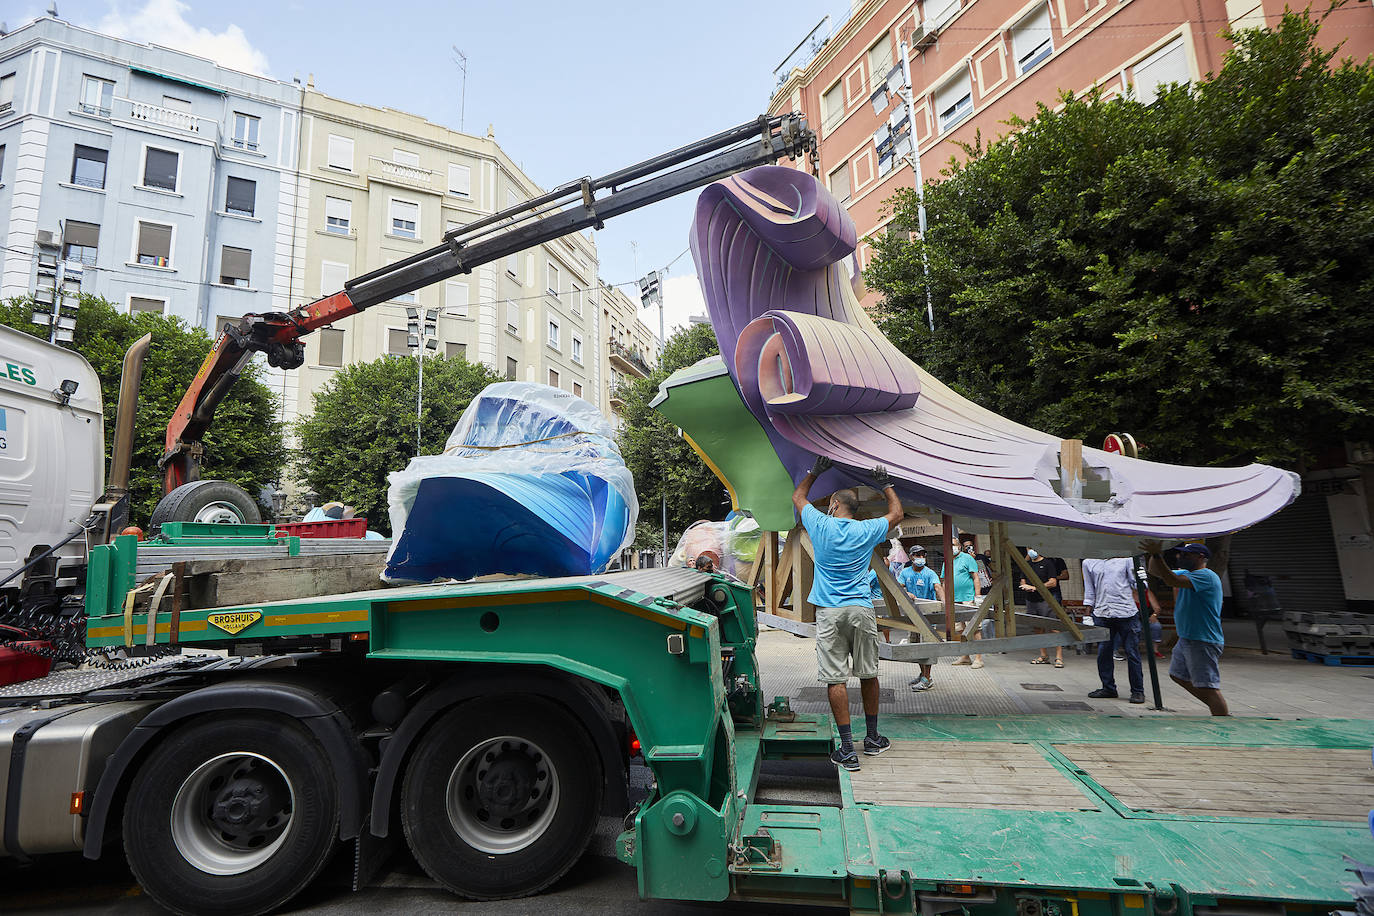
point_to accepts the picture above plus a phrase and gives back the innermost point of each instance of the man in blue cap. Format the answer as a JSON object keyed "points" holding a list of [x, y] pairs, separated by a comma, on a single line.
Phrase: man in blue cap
{"points": [[1197, 617]]}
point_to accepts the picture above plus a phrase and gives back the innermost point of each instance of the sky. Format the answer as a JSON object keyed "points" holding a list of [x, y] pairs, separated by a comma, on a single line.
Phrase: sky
{"points": [[570, 89]]}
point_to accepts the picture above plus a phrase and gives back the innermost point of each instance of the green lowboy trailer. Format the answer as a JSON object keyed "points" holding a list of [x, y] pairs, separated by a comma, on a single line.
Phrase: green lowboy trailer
{"points": [[491, 723]]}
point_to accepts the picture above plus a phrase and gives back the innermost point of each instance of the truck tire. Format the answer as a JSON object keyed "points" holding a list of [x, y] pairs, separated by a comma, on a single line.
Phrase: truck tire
{"points": [[207, 501], [232, 816], [501, 797]]}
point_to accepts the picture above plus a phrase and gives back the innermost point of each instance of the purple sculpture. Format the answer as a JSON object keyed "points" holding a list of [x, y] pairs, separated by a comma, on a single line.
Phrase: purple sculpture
{"points": [[821, 379]]}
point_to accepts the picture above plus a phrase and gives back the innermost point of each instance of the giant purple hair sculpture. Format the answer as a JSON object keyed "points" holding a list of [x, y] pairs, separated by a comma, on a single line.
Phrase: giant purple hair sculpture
{"points": [[821, 379]]}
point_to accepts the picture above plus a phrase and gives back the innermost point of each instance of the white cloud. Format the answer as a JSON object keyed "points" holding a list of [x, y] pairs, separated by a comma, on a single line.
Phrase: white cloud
{"points": [[682, 300], [163, 22]]}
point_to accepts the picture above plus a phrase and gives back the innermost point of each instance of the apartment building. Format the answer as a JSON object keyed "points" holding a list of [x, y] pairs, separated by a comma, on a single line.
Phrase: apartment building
{"points": [[167, 178], [974, 63], [378, 185], [629, 350]]}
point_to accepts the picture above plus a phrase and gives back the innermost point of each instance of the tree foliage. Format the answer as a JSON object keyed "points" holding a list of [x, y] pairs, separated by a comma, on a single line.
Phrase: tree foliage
{"points": [[1195, 271], [363, 426], [661, 461], [244, 445]]}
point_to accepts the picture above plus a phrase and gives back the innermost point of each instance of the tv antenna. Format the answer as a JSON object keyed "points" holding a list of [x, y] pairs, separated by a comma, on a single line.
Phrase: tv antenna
{"points": [[461, 60]]}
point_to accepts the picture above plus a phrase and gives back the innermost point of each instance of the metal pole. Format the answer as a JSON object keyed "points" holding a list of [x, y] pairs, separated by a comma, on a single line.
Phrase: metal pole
{"points": [[419, 391], [660, 344], [1143, 590], [906, 95]]}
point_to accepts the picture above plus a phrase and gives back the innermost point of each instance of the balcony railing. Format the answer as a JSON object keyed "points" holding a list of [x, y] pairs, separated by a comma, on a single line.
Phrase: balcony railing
{"points": [[629, 360], [169, 118], [395, 172]]}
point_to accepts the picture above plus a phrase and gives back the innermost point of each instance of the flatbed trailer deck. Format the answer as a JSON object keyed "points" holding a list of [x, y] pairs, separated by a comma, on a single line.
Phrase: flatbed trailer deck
{"points": [[1012, 816]]}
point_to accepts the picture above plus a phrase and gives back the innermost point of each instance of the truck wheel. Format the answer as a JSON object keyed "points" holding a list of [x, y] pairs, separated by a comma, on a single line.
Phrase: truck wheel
{"points": [[502, 796], [231, 816], [207, 501]]}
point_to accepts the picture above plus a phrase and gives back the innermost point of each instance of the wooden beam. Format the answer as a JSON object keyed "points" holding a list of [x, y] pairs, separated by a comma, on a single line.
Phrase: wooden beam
{"points": [[803, 572], [984, 606], [947, 524], [1071, 468], [1053, 602], [896, 599], [756, 568], [779, 586]]}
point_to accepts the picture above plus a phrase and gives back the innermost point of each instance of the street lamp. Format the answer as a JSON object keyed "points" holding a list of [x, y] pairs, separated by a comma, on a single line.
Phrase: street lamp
{"points": [[898, 83], [419, 333]]}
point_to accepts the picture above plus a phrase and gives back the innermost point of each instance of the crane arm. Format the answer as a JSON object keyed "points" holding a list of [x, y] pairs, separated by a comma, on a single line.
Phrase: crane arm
{"points": [[566, 209]]}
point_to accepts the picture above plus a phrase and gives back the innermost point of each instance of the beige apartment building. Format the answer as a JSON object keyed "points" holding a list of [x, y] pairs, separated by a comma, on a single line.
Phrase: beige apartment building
{"points": [[629, 350], [378, 185], [974, 63]]}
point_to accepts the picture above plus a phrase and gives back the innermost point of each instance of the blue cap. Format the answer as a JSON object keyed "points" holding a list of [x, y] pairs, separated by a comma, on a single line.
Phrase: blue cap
{"points": [[1196, 548]]}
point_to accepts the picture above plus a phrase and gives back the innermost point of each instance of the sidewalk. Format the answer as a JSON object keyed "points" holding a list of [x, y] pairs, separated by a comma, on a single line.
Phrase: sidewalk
{"points": [[1274, 685]]}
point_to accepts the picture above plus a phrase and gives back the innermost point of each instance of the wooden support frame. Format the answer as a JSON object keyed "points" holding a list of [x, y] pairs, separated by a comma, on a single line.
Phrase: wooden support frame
{"points": [[985, 606], [1069, 623], [896, 599]]}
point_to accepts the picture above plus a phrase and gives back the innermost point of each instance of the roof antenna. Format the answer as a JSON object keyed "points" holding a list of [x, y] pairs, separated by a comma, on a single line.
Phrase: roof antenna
{"points": [[52, 9]]}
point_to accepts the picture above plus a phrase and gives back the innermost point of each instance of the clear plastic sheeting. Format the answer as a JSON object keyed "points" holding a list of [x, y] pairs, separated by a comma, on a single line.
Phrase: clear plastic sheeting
{"points": [[530, 481], [732, 545]]}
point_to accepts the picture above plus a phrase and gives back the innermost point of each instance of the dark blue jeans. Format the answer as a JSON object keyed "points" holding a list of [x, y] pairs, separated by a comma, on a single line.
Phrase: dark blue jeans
{"points": [[1125, 633]]}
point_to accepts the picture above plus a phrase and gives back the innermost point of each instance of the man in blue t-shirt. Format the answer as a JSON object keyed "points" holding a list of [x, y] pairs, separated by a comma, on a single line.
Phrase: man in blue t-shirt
{"points": [[1197, 617], [846, 627], [921, 584]]}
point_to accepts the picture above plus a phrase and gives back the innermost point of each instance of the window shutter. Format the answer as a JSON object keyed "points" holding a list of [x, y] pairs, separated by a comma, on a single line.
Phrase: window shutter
{"points": [[155, 240], [234, 262], [460, 180], [87, 235], [241, 196], [331, 347]]}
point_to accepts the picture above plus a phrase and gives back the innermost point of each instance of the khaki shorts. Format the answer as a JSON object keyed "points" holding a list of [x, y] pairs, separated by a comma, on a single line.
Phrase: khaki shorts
{"points": [[846, 643]]}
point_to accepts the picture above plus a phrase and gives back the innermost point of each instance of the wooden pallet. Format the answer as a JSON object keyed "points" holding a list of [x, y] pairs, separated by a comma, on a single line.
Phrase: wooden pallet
{"points": [[1348, 661]]}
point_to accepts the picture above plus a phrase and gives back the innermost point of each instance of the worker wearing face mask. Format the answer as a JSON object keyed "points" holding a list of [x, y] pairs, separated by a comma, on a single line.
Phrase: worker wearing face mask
{"points": [[967, 588], [921, 584]]}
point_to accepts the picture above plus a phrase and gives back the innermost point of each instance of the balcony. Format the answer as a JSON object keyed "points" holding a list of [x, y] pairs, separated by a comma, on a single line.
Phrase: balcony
{"points": [[409, 176], [170, 119], [628, 360]]}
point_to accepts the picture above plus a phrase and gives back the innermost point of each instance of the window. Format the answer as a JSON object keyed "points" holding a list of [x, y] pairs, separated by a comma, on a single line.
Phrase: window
{"points": [[333, 276], [88, 166], [577, 349], [404, 217], [143, 304], [397, 343], [512, 317], [451, 224], [954, 100], [553, 378], [512, 369], [6, 92], [839, 183], [79, 241], [456, 298], [2, 165], [460, 180], [160, 168], [553, 279], [401, 157], [575, 299], [96, 96], [938, 12], [513, 267], [1031, 39], [154, 244], [1167, 65], [555, 335], [245, 131], [233, 266], [340, 153], [832, 106], [241, 196], [222, 322], [331, 347], [880, 60], [577, 389], [455, 350], [338, 213]]}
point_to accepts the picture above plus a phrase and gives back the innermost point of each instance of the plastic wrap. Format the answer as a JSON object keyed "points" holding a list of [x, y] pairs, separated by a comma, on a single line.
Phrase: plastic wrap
{"points": [[732, 545], [530, 481]]}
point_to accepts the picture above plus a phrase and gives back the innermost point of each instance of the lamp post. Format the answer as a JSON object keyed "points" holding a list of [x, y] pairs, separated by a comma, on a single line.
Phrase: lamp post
{"points": [[899, 84], [421, 336]]}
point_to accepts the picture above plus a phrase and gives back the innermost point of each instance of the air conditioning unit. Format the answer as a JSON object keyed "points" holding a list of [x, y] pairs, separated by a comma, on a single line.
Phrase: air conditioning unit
{"points": [[46, 238]]}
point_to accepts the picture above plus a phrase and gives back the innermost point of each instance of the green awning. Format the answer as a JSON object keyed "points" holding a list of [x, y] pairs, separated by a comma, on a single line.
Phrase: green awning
{"points": [[176, 79]]}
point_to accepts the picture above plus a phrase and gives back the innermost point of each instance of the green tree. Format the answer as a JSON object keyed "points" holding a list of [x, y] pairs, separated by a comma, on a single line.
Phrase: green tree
{"points": [[661, 461], [363, 426], [244, 446], [1195, 271]]}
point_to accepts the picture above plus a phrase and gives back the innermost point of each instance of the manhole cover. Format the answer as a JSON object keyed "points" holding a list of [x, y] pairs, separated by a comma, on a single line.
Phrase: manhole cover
{"points": [[1068, 704], [816, 694], [1041, 687]]}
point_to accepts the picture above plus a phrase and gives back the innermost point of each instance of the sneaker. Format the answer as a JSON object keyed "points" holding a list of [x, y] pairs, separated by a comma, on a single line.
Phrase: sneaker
{"points": [[1158, 654], [977, 663], [922, 683], [1102, 693], [1119, 655], [1137, 698], [849, 761], [875, 746]]}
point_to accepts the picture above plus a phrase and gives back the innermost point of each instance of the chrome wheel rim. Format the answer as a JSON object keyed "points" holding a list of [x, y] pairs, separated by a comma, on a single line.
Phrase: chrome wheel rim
{"points": [[502, 795], [220, 513], [232, 813]]}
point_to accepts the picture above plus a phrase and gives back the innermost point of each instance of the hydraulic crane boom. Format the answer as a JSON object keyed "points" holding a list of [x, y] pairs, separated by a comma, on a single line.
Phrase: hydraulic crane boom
{"points": [[569, 208]]}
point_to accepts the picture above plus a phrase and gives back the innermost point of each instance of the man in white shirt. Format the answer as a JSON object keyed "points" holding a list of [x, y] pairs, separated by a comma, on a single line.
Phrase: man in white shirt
{"points": [[1109, 596]]}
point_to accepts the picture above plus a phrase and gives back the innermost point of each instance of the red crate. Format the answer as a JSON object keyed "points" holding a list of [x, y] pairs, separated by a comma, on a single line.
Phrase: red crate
{"points": [[17, 665], [328, 528]]}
